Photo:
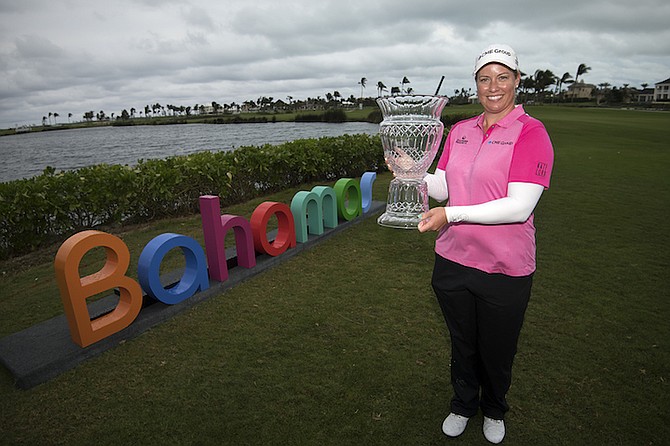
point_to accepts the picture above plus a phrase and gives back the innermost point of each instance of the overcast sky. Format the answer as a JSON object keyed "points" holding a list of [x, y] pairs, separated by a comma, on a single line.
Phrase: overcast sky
{"points": [[72, 56]]}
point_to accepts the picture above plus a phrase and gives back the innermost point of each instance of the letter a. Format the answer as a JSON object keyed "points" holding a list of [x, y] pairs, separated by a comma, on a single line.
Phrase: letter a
{"points": [[75, 290]]}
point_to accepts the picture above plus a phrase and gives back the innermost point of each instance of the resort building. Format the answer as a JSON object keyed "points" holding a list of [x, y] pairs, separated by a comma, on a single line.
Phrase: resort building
{"points": [[646, 95], [662, 91], [580, 90]]}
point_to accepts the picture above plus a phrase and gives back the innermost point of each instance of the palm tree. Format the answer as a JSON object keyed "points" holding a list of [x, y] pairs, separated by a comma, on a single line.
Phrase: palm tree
{"points": [[581, 69], [69, 115], [362, 83], [625, 93], [50, 114], [565, 79], [602, 92], [526, 84], [543, 78], [380, 88], [55, 116]]}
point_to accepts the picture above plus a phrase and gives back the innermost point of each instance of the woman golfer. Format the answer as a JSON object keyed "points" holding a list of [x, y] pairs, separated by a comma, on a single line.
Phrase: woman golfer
{"points": [[492, 172]]}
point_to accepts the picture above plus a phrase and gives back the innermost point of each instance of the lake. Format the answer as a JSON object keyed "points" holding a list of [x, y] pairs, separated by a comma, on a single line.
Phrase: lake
{"points": [[26, 155]]}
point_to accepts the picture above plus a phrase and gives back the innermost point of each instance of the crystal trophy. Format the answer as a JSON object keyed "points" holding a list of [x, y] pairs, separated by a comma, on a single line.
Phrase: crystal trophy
{"points": [[411, 134]]}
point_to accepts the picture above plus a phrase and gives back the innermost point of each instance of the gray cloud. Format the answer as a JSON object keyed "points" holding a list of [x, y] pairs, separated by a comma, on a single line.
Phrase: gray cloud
{"points": [[74, 56]]}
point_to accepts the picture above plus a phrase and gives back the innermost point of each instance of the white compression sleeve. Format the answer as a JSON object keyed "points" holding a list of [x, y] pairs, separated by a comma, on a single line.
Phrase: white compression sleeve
{"points": [[437, 185], [516, 207]]}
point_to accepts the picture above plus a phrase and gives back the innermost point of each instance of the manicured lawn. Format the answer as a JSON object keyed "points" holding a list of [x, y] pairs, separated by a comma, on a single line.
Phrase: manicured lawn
{"points": [[345, 344]]}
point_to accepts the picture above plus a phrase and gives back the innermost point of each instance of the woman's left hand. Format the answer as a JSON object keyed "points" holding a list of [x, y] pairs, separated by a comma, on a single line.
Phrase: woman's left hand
{"points": [[433, 220]]}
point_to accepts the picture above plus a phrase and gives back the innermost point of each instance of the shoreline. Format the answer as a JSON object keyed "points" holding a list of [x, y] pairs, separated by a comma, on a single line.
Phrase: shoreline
{"points": [[357, 115]]}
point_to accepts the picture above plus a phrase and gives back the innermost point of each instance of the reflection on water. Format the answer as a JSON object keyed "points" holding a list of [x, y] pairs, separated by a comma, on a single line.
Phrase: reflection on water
{"points": [[26, 155]]}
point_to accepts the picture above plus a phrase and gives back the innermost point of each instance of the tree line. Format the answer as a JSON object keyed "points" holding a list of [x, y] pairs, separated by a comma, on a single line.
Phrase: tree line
{"points": [[541, 86], [262, 104], [535, 87]]}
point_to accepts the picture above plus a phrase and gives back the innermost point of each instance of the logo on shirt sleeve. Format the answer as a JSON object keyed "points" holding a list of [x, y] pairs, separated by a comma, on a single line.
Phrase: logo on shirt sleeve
{"points": [[541, 170], [462, 140]]}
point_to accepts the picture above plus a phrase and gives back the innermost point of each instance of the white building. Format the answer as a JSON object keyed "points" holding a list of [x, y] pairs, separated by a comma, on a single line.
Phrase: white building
{"points": [[662, 91]]}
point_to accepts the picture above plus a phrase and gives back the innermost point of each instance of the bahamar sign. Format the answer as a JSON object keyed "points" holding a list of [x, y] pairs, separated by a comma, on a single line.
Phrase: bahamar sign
{"points": [[309, 213]]}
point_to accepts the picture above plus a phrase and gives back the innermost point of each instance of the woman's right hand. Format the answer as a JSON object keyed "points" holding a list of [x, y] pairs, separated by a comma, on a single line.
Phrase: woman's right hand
{"points": [[433, 220]]}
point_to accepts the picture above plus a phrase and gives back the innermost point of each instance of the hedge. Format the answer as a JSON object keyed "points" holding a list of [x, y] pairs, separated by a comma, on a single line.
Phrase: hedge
{"points": [[48, 208]]}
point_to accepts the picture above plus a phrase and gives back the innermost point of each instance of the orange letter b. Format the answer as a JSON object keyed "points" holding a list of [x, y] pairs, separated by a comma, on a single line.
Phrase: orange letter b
{"points": [[75, 290]]}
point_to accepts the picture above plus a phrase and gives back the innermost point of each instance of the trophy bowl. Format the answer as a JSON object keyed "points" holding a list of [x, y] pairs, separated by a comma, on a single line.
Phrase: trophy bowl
{"points": [[411, 133]]}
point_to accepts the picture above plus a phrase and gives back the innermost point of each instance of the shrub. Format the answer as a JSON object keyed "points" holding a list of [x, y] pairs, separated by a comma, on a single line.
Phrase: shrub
{"points": [[375, 117], [332, 115], [52, 206], [310, 117], [335, 115]]}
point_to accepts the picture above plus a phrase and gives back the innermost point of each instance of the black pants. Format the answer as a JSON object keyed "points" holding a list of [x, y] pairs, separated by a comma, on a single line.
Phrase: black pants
{"points": [[484, 313]]}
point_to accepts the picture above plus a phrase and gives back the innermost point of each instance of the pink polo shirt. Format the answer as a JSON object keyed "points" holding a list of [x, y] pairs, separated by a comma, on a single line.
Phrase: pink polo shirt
{"points": [[478, 167]]}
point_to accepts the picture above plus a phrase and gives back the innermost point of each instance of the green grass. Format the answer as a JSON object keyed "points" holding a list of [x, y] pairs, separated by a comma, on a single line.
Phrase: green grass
{"points": [[345, 344]]}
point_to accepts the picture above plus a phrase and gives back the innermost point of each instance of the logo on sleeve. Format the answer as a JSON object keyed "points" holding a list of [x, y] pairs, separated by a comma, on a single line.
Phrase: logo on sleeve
{"points": [[462, 140], [541, 169]]}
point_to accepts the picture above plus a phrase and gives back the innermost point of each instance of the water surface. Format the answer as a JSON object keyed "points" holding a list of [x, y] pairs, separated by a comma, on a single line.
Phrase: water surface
{"points": [[26, 155]]}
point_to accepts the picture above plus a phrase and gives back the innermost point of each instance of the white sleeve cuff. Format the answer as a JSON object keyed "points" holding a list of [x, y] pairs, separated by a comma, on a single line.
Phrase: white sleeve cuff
{"points": [[437, 185], [516, 207]]}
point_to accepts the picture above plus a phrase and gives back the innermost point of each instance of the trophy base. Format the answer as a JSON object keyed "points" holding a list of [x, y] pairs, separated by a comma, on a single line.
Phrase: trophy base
{"points": [[407, 200], [398, 221]]}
